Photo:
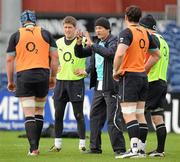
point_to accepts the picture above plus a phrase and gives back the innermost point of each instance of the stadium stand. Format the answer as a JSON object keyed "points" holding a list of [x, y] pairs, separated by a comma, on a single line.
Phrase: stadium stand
{"points": [[171, 34]]}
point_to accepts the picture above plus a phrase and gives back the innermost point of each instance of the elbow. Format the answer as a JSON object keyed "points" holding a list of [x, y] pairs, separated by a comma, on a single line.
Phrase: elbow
{"points": [[156, 56], [80, 54], [9, 60], [77, 55]]}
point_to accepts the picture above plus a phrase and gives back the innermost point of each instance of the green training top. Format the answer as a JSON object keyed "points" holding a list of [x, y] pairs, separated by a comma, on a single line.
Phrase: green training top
{"points": [[68, 61], [159, 70]]}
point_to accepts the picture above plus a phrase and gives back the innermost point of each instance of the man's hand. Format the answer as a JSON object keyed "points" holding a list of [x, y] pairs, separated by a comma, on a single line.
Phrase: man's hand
{"points": [[52, 82], [89, 42], [116, 75], [79, 37], [11, 87], [80, 72], [59, 69]]}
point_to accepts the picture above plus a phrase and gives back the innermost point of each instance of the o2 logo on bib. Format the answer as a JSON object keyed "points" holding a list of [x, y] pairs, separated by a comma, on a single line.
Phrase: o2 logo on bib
{"points": [[68, 57], [142, 45], [31, 47]]}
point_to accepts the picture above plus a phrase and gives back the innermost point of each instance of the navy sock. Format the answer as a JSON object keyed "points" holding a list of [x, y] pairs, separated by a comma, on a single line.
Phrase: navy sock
{"points": [[133, 129], [161, 137], [143, 132], [30, 127], [39, 125]]}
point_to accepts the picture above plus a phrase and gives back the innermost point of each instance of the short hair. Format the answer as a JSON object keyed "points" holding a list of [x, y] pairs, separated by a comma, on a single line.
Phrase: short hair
{"points": [[133, 13], [70, 20]]}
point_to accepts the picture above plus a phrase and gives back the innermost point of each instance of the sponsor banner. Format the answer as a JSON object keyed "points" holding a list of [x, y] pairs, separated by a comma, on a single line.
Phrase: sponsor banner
{"points": [[11, 114], [172, 113], [12, 118]]}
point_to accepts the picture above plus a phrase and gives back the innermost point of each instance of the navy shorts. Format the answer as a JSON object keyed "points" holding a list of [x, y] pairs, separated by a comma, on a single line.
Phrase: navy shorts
{"points": [[156, 97], [34, 82], [133, 87], [72, 90]]}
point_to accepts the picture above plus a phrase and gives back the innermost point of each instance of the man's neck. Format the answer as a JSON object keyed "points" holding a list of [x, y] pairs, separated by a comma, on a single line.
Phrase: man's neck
{"points": [[68, 41], [129, 24], [29, 25], [70, 38]]}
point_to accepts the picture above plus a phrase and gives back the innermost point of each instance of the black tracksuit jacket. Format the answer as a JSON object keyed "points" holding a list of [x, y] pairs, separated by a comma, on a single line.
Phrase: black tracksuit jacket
{"points": [[108, 52]]}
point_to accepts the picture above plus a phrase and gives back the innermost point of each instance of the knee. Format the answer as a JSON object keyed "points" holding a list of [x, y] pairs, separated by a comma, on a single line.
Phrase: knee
{"points": [[39, 111], [157, 119]]}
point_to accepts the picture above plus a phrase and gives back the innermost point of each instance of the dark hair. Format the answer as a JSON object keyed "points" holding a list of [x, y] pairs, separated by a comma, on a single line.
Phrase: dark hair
{"points": [[133, 13], [70, 20]]}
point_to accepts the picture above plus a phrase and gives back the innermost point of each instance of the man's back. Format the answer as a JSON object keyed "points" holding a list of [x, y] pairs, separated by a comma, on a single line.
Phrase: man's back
{"points": [[32, 51], [159, 70], [133, 60]]}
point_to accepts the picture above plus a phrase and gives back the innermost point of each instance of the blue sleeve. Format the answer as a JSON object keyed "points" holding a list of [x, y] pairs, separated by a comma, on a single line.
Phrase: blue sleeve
{"points": [[49, 39], [152, 43], [13, 41], [126, 37], [156, 40]]}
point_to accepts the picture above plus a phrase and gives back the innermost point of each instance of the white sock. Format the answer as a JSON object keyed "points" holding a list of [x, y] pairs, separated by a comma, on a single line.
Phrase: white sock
{"points": [[134, 144], [142, 146], [82, 143], [58, 142]]}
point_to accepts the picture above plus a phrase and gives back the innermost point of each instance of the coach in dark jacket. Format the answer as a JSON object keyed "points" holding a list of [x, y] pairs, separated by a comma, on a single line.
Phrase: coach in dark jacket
{"points": [[104, 102]]}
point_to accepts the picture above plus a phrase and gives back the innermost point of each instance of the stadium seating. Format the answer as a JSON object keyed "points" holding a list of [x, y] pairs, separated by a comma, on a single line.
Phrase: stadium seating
{"points": [[172, 36]]}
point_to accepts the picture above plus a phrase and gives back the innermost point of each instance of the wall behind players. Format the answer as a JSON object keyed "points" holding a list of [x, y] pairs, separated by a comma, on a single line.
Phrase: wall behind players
{"points": [[94, 6]]}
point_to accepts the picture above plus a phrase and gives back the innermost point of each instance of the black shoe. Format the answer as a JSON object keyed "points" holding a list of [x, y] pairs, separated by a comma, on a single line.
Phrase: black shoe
{"points": [[82, 149], [94, 151], [127, 154], [156, 154], [54, 149], [141, 153], [118, 154]]}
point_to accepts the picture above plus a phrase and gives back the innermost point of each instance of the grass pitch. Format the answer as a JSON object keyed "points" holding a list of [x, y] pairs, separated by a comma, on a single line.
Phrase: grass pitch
{"points": [[14, 149]]}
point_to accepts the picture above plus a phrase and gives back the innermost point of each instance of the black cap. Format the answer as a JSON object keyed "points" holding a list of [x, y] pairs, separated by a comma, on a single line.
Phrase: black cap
{"points": [[148, 22], [102, 21]]}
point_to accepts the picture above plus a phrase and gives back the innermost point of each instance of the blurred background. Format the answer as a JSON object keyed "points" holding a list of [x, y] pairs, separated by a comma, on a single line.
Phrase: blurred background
{"points": [[50, 14]]}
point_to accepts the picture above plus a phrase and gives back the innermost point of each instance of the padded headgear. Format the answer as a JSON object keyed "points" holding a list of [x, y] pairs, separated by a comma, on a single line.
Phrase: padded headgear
{"points": [[28, 15]]}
